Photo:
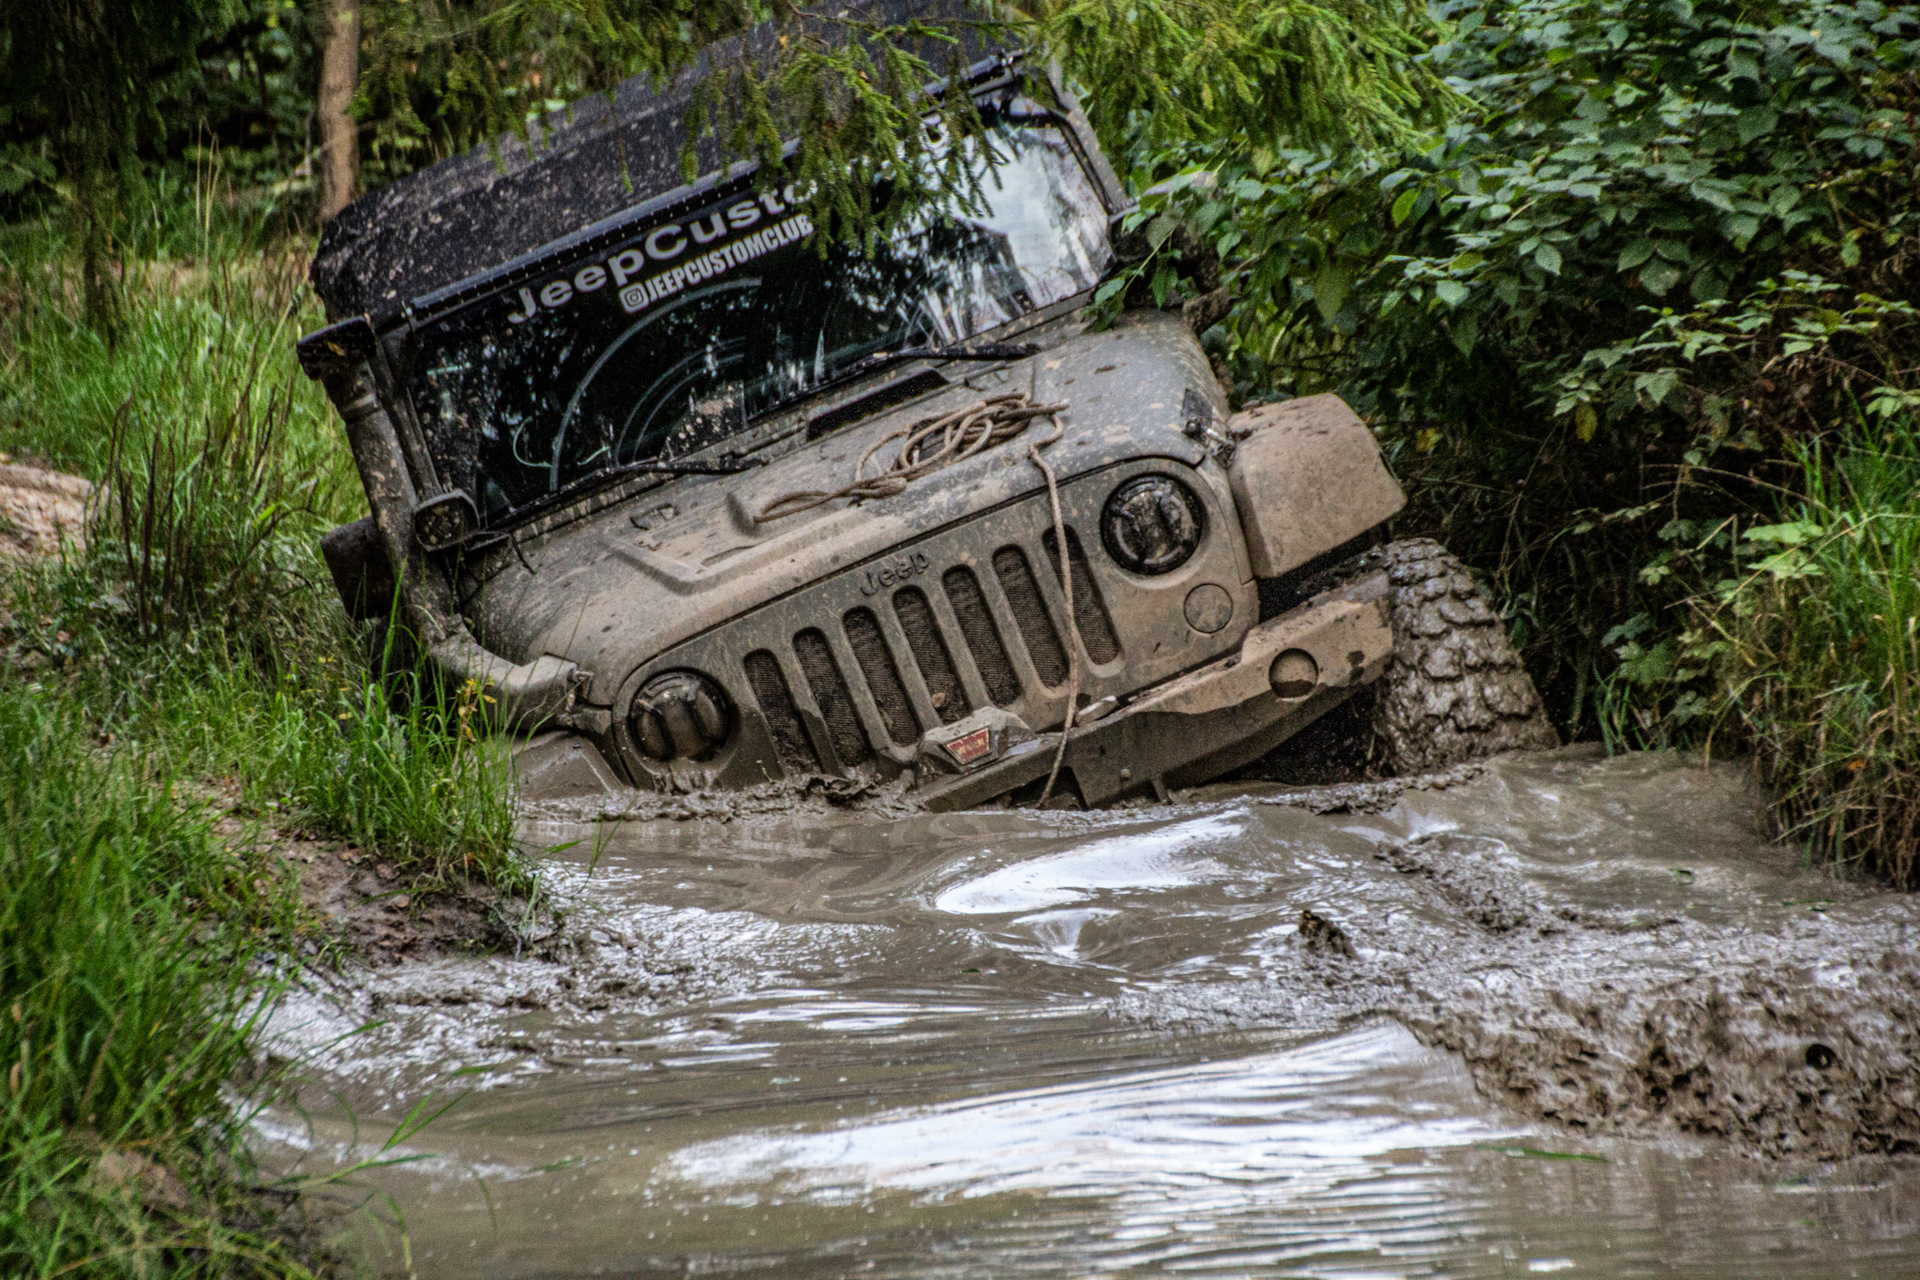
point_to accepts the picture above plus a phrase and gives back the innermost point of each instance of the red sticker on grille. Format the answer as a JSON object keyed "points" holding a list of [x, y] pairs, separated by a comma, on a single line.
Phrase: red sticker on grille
{"points": [[971, 747]]}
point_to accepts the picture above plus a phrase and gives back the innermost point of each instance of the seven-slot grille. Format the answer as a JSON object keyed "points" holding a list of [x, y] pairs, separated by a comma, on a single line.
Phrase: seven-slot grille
{"points": [[968, 642], [853, 668]]}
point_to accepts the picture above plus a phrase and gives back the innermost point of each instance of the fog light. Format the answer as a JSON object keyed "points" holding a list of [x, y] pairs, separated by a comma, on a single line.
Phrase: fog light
{"points": [[1152, 524], [681, 715]]}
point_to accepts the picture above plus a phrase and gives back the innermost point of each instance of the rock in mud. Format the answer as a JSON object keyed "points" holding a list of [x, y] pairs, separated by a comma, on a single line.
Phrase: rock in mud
{"points": [[1319, 934]]}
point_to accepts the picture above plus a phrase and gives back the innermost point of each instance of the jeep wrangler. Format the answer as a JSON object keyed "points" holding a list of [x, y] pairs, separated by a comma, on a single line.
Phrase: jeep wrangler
{"points": [[695, 504]]}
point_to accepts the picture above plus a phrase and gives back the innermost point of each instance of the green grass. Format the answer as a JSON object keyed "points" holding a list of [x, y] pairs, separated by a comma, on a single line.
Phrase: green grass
{"points": [[1821, 652], [201, 614], [127, 996], [194, 645], [1801, 646], [327, 750]]}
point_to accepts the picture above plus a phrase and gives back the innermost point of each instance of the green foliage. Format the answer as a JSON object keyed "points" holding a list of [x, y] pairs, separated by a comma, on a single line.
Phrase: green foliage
{"points": [[126, 1003], [99, 101], [1651, 254], [1807, 652], [847, 85], [1635, 153], [1263, 75], [234, 78], [87, 71]]}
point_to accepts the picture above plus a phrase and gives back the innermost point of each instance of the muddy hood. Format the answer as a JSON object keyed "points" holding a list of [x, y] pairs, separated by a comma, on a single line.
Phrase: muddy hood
{"points": [[622, 585]]}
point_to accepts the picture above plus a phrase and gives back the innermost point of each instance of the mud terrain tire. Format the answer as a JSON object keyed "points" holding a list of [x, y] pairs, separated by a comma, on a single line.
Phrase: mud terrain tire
{"points": [[1455, 690]]}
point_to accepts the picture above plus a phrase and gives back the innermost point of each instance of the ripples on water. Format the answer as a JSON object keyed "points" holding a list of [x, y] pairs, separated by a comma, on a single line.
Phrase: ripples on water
{"points": [[999, 1044]]}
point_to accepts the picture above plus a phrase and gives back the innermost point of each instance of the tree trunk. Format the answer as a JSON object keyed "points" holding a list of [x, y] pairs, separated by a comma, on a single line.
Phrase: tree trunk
{"points": [[339, 77]]}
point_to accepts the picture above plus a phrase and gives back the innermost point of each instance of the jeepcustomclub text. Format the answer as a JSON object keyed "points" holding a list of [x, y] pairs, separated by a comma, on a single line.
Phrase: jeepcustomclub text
{"points": [[664, 243]]}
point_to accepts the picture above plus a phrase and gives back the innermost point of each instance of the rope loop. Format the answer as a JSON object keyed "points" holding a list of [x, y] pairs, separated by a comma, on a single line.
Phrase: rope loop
{"points": [[934, 443], [930, 445]]}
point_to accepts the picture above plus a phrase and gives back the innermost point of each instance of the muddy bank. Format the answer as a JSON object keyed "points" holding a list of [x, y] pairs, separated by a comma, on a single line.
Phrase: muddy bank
{"points": [[1651, 966], [364, 910], [1586, 953], [365, 905]]}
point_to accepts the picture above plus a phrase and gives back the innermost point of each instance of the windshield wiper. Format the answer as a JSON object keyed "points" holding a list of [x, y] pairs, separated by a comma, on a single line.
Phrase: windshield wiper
{"points": [[727, 464], [984, 351]]}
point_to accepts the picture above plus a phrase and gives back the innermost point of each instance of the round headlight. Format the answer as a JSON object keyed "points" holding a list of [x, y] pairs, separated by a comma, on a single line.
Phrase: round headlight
{"points": [[1152, 524], [681, 715]]}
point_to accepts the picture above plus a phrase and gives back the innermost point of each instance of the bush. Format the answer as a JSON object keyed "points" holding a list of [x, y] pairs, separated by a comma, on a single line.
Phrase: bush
{"points": [[1519, 306]]}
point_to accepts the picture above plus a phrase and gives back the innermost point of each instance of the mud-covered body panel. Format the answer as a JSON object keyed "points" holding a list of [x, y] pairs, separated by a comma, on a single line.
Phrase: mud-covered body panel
{"points": [[895, 625], [610, 595]]}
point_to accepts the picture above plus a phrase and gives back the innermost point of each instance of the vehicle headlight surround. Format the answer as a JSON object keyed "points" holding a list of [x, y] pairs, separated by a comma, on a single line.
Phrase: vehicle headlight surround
{"points": [[1152, 524], [681, 715]]}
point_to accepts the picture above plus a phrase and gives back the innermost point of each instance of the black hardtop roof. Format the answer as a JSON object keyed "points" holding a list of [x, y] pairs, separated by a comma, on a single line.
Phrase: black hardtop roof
{"points": [[473, 212]]}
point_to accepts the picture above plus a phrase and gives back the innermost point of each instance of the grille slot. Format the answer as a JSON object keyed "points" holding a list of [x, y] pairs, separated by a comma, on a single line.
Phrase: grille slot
{"points": [[830, 691], [1030, 615], [982, 637], [883, 677], [783, 718], [1089, 610], [929, 649]]}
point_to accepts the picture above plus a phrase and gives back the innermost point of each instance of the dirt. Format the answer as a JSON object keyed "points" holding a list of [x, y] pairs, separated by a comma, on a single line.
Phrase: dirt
{"points": [[42, 512], [366, 908]]}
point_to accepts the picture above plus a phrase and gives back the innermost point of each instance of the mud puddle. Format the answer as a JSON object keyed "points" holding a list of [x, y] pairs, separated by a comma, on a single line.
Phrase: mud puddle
{"points": [[1567, 1014]]}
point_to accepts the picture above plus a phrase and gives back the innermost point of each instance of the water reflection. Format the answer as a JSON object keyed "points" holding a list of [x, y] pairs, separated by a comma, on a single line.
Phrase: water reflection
{"points": [[1157, 859]]}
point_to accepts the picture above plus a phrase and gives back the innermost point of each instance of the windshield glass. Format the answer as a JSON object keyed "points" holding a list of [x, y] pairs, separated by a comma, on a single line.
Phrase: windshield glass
{"points": [[676, 337]]}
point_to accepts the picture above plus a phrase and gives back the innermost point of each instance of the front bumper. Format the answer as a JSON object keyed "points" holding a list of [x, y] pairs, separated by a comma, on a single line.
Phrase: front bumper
{"points": [[1219, 717], [1287, 673]]}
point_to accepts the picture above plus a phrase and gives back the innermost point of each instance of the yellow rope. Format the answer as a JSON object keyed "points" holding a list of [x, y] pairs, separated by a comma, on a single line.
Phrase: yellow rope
{"points": [[1073, 619]]}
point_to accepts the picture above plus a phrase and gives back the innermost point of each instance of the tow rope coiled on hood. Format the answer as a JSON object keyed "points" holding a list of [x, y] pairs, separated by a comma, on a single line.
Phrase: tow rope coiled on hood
{"points": [[931, 444]]}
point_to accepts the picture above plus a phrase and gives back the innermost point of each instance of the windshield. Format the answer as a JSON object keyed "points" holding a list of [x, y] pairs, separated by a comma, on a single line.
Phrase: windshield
{"points": [[676, 337]]}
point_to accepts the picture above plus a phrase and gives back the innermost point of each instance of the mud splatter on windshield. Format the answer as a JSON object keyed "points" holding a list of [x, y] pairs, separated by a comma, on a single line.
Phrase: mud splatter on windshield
{"points": [[671, 339]]}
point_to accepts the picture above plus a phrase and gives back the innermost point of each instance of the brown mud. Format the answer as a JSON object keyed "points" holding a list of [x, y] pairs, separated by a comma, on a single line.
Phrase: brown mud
{"points": [[363, 903], [750, 1042], [364, 910], [1785, 1017]]}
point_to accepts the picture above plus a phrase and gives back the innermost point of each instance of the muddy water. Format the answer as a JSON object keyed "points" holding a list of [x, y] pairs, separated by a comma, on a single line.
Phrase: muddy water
{"points": [[1544, 1021]]}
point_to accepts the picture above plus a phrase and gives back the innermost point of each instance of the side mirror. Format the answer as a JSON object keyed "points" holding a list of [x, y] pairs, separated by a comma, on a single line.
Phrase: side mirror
{"points": [[445, 520]]}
